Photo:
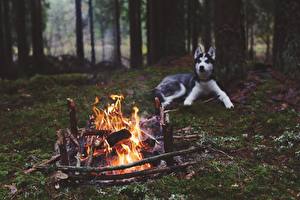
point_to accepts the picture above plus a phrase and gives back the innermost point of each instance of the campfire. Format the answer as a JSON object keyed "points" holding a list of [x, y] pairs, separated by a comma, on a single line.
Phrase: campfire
{"points": [[121, 140], [115, 148]]}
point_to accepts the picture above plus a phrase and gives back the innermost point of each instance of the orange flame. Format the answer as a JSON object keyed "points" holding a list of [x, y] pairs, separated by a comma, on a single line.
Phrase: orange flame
{"points": [[111, 119]]}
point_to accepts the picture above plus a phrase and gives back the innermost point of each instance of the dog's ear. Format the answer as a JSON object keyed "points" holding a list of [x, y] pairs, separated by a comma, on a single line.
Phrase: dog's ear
{"points": [[212, 52], [198, 52]]}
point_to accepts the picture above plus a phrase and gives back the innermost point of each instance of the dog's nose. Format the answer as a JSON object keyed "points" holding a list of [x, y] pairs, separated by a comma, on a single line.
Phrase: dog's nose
{"points": [[201, 68]]}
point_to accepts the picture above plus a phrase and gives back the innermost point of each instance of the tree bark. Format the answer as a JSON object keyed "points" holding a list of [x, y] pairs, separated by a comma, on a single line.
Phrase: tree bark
{"points": [[165, 38], [188, 25], [230, 38], [136, 55], [153, 31], [21, 31], [117, 34], [2, 45], [286, 51], [207, 35], [195, 24], [8, 33], [37, 34], [79, 32], [91, 15]]}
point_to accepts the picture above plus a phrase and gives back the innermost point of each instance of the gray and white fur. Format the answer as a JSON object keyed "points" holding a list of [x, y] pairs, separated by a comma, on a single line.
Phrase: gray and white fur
{"points": [[190, 86]]}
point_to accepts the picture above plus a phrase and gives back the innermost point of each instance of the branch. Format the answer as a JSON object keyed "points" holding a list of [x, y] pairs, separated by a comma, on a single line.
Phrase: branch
{"points": [[138, 163]]}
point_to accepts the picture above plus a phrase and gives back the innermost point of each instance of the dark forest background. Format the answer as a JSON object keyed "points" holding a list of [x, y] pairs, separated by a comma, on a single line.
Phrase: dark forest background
{"points": [[51, 37]]}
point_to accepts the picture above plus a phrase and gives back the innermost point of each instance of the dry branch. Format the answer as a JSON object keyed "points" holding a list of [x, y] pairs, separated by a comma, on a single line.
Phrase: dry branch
{"points": [[147, 172], [72, 114], [138, 163], [43, 164]]}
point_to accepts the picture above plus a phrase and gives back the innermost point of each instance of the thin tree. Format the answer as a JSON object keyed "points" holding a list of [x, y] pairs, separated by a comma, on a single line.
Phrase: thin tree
{"points": [[207, 32], [154, 31], [2, 45], [7, 33], [195, 23], [37, 34], [230, 38], [91, 15], [21, 31], [117, 33], [136, 56], [79, 31], [286, 51]]}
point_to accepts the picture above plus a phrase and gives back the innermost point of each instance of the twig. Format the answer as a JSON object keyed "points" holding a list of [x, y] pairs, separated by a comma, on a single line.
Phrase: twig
{"points": [[43, 164]]}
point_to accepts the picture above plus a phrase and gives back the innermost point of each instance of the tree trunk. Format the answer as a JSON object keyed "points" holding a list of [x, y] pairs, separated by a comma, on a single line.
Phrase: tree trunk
{"points": [[230, 38], [136, 55], [21, 31], [37, 34], [7, 35], [165, 38], [79, 32], [117, 34], [102, 30], [286, 51], [91, 14], [5, 41], [174, 36], [207, 12], [2, 44], [195, 24], [154, 31], [189, 25], [268, 49], [251, 50]]}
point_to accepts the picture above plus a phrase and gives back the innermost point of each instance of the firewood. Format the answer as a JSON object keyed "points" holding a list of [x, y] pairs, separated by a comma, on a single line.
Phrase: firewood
{"points": [[168, 141], [115, 137], [138, 163], [72, 115], [61, 141], [43, 164], [183, 137], [147, 172]]}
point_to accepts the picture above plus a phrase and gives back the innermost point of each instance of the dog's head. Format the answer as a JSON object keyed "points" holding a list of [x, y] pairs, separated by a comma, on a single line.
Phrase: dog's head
{"points": [[204, 63]]}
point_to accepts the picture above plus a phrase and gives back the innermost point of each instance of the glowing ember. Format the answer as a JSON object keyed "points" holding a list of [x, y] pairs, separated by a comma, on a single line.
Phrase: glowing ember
{"points": [[111, 119]]}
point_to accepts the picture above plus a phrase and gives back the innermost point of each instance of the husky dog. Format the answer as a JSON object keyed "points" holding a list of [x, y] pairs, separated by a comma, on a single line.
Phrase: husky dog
{"points": [[192, 85]]}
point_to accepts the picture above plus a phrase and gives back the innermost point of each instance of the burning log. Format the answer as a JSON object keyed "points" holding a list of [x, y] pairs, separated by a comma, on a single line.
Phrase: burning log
{"points": [[118, 136], [133, 164]]}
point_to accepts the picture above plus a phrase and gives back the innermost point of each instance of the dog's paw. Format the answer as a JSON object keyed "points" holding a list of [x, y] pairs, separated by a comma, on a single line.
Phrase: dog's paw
{"points": [[187, 102], [229, 105]]}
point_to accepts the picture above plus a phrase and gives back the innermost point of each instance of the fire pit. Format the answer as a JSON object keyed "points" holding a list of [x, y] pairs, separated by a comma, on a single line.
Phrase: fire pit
{"points": [[115, 149]]}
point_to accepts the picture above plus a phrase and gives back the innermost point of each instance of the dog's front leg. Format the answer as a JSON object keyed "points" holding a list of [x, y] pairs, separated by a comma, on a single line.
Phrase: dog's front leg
{"points": [[193, 95], [221, 95]]}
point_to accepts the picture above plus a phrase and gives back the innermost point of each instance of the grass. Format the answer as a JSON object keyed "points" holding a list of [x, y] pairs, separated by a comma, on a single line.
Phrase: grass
{"points": [[263, 142]]}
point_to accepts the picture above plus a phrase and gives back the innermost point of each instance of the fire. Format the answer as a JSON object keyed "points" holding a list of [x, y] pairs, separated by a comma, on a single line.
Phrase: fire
{"points": [[111, 119]]}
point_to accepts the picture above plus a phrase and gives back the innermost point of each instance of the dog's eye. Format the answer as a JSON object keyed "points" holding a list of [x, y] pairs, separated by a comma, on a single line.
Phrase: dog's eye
{"points": [[206, 61]]}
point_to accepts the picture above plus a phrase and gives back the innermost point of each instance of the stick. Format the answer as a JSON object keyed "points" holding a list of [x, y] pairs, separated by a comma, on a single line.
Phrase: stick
{"points": [[61, 141], [43, 164], [184, 137], [168, 141], [72, 114], [139, 173], [138, 163]]}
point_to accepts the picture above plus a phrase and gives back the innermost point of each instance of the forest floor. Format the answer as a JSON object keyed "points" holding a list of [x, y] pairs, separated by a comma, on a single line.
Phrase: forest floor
{"points": [[260, 136]]}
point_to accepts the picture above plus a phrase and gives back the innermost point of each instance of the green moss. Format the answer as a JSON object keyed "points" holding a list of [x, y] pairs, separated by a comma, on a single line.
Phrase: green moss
{"points": [[32, 110]]}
